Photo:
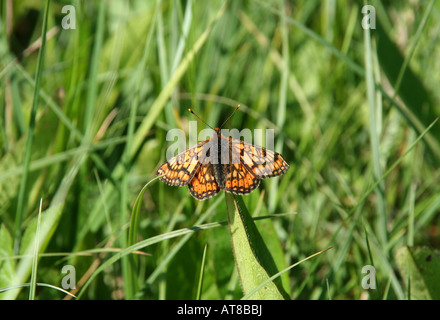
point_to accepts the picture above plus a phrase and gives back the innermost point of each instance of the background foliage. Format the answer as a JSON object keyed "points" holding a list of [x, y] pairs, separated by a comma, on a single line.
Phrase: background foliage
{"points": [[84, 118]]}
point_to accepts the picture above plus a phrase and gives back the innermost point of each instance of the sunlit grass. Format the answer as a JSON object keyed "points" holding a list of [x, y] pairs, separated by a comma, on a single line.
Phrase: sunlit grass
{"points": [[347, 106]]}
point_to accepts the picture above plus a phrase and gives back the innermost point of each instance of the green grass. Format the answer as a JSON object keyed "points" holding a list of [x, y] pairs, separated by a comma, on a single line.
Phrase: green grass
{"points": [[84, 118]]}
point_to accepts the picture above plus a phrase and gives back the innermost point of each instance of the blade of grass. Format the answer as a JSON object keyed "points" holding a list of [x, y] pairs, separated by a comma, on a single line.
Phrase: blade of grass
{"points": [[106, 211], [91, 102], [182, 40], [35, 256], [428, 214], [21, 199], [92, 92], [134, 220], [374, 139], [202, 272], [38, 284], [66, 255], [328, 289], [412, 200], [281, 110]]}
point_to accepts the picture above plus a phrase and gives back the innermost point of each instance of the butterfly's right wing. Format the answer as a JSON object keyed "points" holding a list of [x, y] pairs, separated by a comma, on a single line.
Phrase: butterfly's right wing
{"points": [[179, 170]]}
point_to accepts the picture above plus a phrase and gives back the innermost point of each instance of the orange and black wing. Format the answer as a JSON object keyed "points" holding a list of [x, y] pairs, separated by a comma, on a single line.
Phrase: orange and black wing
{"points": [[262, 162], [203, 185], [239, 179], [179, 170]]}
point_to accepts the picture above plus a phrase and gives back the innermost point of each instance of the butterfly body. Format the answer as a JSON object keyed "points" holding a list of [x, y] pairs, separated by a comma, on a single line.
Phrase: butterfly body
{"points": [[221, 163]]}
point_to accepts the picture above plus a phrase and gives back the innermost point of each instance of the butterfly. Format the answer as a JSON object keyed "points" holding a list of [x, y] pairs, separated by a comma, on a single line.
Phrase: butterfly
{"points": [[221, 163]]}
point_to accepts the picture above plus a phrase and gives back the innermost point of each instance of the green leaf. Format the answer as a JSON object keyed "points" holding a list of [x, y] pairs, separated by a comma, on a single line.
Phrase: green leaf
{"points": [[253, 260], [419, 267]]}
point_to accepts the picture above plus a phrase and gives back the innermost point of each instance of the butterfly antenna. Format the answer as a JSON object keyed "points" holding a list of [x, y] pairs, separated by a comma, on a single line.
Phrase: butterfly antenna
{"points": [[190, 110], [230, 116]]}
